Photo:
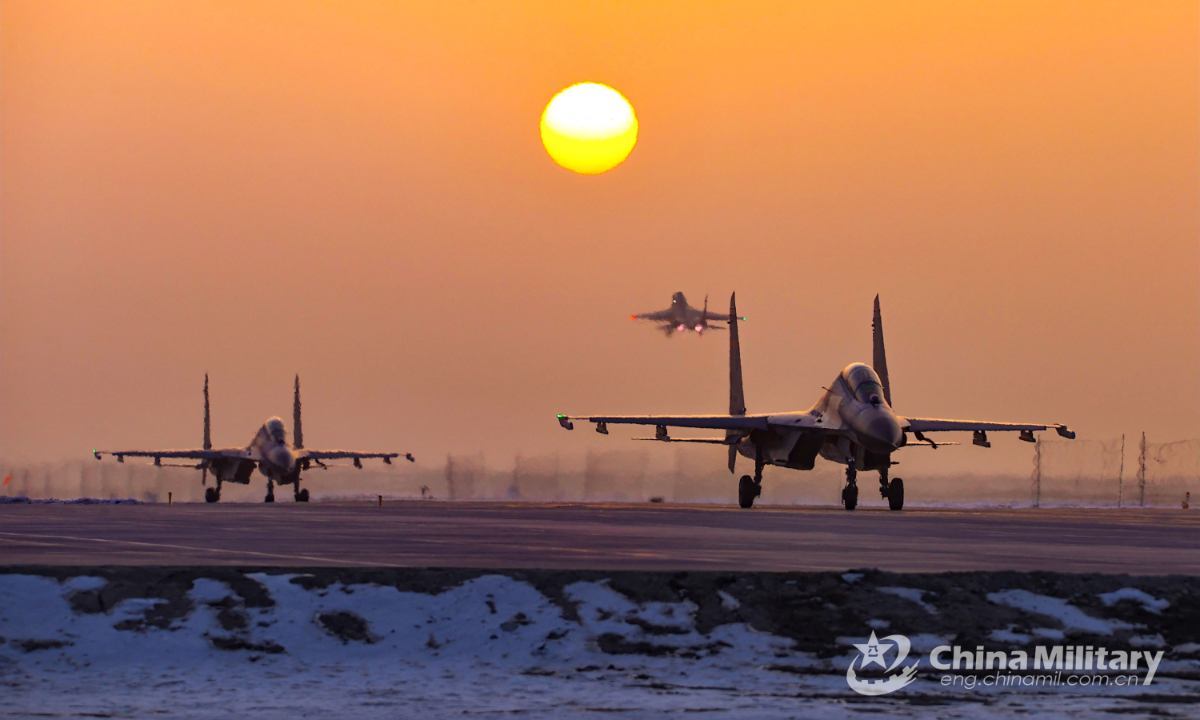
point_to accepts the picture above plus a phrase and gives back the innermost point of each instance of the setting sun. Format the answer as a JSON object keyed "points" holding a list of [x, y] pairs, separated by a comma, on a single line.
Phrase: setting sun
{"points": [[589, 128]]}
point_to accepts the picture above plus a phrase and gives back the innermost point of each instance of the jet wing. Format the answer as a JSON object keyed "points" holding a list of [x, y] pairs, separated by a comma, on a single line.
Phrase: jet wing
{"points": [[794, 420], [711, 422], [349, 455], [660, 316], [197, 454], [716, 316], [924, 425]]}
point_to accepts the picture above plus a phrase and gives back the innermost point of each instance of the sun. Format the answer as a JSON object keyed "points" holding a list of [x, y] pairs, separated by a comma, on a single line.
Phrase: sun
{"points": [[589, 128]]}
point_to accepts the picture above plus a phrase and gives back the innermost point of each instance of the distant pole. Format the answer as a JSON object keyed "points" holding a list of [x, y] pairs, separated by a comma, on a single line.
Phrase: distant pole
{"points": [[1121, 472], [169, 498], [1037, 473], [1141, 476], [380, 501]]}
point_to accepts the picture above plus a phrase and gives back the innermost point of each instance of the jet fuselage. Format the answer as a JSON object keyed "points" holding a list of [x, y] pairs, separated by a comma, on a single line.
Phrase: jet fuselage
{"points": [[869, 429], [270, 448]]}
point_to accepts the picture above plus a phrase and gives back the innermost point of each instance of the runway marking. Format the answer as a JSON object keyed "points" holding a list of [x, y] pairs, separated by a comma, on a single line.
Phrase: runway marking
{"points": [[202, 549]]}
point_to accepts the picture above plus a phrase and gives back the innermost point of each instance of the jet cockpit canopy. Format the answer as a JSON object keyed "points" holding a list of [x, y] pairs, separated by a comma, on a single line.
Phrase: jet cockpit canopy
{"points": [[864, 383], [276, 431]]}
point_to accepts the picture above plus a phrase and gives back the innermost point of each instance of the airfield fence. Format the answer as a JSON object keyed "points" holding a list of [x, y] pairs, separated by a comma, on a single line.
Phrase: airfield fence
{"points": [[1116, 472]]}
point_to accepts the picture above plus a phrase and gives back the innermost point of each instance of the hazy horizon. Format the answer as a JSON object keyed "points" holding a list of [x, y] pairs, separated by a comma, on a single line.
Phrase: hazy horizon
{"points": [[358, 193]]}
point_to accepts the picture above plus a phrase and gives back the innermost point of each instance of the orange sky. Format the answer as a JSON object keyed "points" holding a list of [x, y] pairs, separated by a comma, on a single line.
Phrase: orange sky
{"points": [[357, 192]]}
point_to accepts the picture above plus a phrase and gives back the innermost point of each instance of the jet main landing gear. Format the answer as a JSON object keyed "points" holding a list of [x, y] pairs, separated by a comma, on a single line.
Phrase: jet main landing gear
{"points": [[751, 487], [892, 491], [213, 495], [301, 495], [270, 491], [747, 491], [896, 494]]}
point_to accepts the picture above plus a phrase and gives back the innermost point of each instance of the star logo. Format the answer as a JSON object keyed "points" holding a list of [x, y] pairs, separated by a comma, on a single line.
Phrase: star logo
{"points": [[874, 652]]}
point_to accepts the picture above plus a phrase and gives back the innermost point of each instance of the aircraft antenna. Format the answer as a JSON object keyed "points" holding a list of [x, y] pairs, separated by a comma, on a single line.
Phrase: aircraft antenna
{"points": [[297, 431], [880, 358]]}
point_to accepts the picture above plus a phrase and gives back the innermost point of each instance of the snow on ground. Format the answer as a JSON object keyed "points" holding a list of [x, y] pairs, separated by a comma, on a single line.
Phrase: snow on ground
{"points": [[1147, 601], [1070, 616], [492, 645]]}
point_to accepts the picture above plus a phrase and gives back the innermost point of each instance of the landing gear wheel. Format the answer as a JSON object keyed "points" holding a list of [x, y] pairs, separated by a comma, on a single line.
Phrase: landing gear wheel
{"points": [[747, 491], [302, 496], [896, 494], [270, 497], [211, 495], [850, 496], [850, 492]]}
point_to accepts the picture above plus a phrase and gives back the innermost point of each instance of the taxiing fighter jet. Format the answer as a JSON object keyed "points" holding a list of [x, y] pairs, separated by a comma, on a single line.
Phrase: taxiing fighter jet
{"points": [[853, 424], [681, 317], [269, 452]]}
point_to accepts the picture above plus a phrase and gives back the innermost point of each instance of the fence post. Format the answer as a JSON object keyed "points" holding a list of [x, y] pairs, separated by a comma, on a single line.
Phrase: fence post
{"points": [[1141, 475], [1037, 473], [1121, 472]]}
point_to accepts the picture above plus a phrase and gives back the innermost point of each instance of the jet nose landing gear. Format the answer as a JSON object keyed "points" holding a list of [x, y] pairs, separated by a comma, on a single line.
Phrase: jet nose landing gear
{"points": [[850, 492]]}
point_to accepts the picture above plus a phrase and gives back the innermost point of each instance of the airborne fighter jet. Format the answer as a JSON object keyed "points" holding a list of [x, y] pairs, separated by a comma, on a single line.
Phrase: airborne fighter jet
{"points": [[269, 452], [681, 317], [852, 424]]}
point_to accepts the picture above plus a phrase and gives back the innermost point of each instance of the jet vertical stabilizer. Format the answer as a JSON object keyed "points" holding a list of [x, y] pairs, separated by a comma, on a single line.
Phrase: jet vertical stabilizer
{"points": [[207, 435], [207, 424], [880, 357], [737, 397], [297, 432]]}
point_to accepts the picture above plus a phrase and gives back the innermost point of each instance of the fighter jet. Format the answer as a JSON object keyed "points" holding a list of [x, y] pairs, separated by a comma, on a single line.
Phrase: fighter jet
{"points": [[681, 317], [269, 452], [852, 424]]}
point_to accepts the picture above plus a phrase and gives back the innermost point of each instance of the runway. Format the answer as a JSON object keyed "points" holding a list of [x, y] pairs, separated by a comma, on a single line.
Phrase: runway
{"points": [[603, 537]]}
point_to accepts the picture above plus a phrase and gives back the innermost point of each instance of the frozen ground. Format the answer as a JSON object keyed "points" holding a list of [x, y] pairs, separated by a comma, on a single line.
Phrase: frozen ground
{"points": [[326, 642]]}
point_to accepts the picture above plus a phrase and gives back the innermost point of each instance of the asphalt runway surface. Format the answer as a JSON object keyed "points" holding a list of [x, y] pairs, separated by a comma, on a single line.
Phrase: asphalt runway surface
{"points": [[603, 537]]}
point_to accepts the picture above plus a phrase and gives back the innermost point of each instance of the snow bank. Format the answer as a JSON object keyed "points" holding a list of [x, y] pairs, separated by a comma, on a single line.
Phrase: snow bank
{"points": [[364, 643]]}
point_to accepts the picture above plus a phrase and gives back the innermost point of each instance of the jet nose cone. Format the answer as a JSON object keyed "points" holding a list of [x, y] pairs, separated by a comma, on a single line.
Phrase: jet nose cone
{"points": [[884, 432], [283, 457]]}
